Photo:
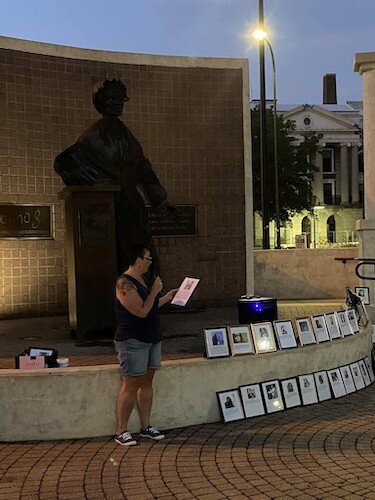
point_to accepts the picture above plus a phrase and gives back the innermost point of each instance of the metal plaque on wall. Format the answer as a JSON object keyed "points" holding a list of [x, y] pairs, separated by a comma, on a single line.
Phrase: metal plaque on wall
{"points": [[25, 221], [164, 225]]}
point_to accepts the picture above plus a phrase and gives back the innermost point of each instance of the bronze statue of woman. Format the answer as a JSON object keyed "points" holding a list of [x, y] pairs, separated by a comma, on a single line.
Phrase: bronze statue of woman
{"points": [[108, 152]]}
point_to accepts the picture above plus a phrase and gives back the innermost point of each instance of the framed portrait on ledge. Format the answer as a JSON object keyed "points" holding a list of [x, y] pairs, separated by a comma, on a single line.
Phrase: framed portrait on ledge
{"points": [[305, 331], [272, 396], [216, 342], [230, 405], [357, 376], [369, 369], [308, 389], [347, 378], [320, 328], [364, 372], [264, 338], [363, 293], [353, 320], [285, 334], [240, 340], [332, 326], [344, 323], [337, 383], [252, 400], [323, 388]]}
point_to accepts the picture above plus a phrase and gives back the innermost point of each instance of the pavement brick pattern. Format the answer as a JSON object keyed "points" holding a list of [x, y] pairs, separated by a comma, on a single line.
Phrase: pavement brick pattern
{"points": [[323, 451]]}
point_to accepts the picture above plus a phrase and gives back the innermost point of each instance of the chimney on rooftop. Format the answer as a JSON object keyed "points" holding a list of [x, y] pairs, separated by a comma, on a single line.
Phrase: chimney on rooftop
{"points": [[329, 89]]}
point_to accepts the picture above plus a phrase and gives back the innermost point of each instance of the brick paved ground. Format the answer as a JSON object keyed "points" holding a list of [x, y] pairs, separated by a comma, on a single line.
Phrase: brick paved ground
{"points": [[324, 451], [182, 332]]}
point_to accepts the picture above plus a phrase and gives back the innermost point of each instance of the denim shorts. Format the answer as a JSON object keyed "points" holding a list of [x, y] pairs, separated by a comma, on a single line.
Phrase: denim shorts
{"points": [[135, 357]]}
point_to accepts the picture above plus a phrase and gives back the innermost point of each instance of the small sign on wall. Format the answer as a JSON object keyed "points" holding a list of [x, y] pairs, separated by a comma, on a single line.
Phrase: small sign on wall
{"points": [[25, 221], [164, 225]]}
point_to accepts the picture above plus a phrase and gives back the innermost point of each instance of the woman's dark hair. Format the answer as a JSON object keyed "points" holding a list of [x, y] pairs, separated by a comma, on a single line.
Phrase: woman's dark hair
{"points": [[101, 90], [135, 252]]}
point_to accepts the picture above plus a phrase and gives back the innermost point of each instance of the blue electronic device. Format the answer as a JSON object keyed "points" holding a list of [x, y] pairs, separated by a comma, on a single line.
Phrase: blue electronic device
{"points": [[254, 308]]}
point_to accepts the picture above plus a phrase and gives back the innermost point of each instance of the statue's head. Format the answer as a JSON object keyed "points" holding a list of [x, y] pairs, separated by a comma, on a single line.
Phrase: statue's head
{"points": [[109, 97]]}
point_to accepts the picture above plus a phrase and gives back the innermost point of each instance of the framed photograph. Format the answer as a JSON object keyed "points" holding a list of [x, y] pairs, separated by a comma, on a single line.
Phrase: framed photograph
{"points": [[291, 392], [252, 400], [357, 376], [344, 324], [308, 389], [332, 326], [216, 342], [363, 293], [272, 396], [353, 320], [240, 340], [364, 372], [369, 369], [347, 378], [362, 315], [337, 384], [285, 334], [320, 328], [230, 405], [305, 331], [322, 386], [264, 338]]}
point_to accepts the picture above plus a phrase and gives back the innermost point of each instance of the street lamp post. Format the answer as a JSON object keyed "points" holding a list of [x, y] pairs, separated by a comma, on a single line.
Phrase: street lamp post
{"points": [[263, 149], [316, 206]]}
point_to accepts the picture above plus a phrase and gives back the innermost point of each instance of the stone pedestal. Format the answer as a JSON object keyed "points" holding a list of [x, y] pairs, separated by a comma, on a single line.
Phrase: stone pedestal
{"points": [[91, 261], [364, 63]]}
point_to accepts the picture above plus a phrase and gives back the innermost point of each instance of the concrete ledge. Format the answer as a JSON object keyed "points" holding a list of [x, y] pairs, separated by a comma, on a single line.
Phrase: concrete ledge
{"points": [[80, 402]]}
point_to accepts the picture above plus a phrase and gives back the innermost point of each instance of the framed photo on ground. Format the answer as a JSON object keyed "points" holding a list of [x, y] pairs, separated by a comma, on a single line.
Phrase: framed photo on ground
{"points": [[344, 324], [320, 328], [369, 369], [252, 400], [357, 376], [353, 320], [332, 326], [285, 334], [308, 389], [305, 331], [322, 386], [337, 384], [363, 293], [291, 392], [240, 340], [264, 338], [347, 378], [364, 372], [216, 342], [230, 405], [272, 396]]}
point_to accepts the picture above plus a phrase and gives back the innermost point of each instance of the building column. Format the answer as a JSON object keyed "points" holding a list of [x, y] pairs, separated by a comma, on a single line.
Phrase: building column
{"points": [[355, 186], [364, 63], [318, 178], [344, 174]]}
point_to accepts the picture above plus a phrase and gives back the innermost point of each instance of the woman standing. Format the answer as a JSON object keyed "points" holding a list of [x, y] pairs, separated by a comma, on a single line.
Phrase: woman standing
{"points": [[138, 343]]}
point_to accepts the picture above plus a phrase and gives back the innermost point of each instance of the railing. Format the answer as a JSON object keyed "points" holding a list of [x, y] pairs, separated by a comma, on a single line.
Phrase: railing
{"points": [[332, 200], [364, 262]]}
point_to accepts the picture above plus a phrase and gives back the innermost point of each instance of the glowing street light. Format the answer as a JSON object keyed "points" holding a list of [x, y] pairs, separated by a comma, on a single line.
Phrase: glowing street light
{"points": [[260, 35]]}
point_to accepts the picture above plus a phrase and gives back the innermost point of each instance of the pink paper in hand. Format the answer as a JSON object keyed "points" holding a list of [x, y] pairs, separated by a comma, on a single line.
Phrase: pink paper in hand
{"points": [[185, 291]]}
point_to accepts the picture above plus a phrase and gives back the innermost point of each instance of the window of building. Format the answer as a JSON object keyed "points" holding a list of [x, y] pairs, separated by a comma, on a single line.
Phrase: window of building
{"points": [[329, 192], [331, 229], [306, 225], [328, 160]]}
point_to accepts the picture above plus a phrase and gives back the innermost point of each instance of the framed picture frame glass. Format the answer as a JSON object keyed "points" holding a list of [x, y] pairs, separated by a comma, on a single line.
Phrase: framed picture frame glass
{"points": [[230, 405], [323, 388], [240, 340], [264, 338], [332, 326], [363, 293], [308, 390], [272, 396], [285, 334], [305, 331], [364, 372], [291, 392], [369, 369], [216, 342], [252, 400], [357, 376], [336, 382], [344, 324], [353, 320], [320, 328], [347, 378]]}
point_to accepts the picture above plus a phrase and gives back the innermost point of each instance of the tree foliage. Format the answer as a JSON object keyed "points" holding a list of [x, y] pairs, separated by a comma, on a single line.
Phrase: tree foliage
{"points": [[295, 167]]}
